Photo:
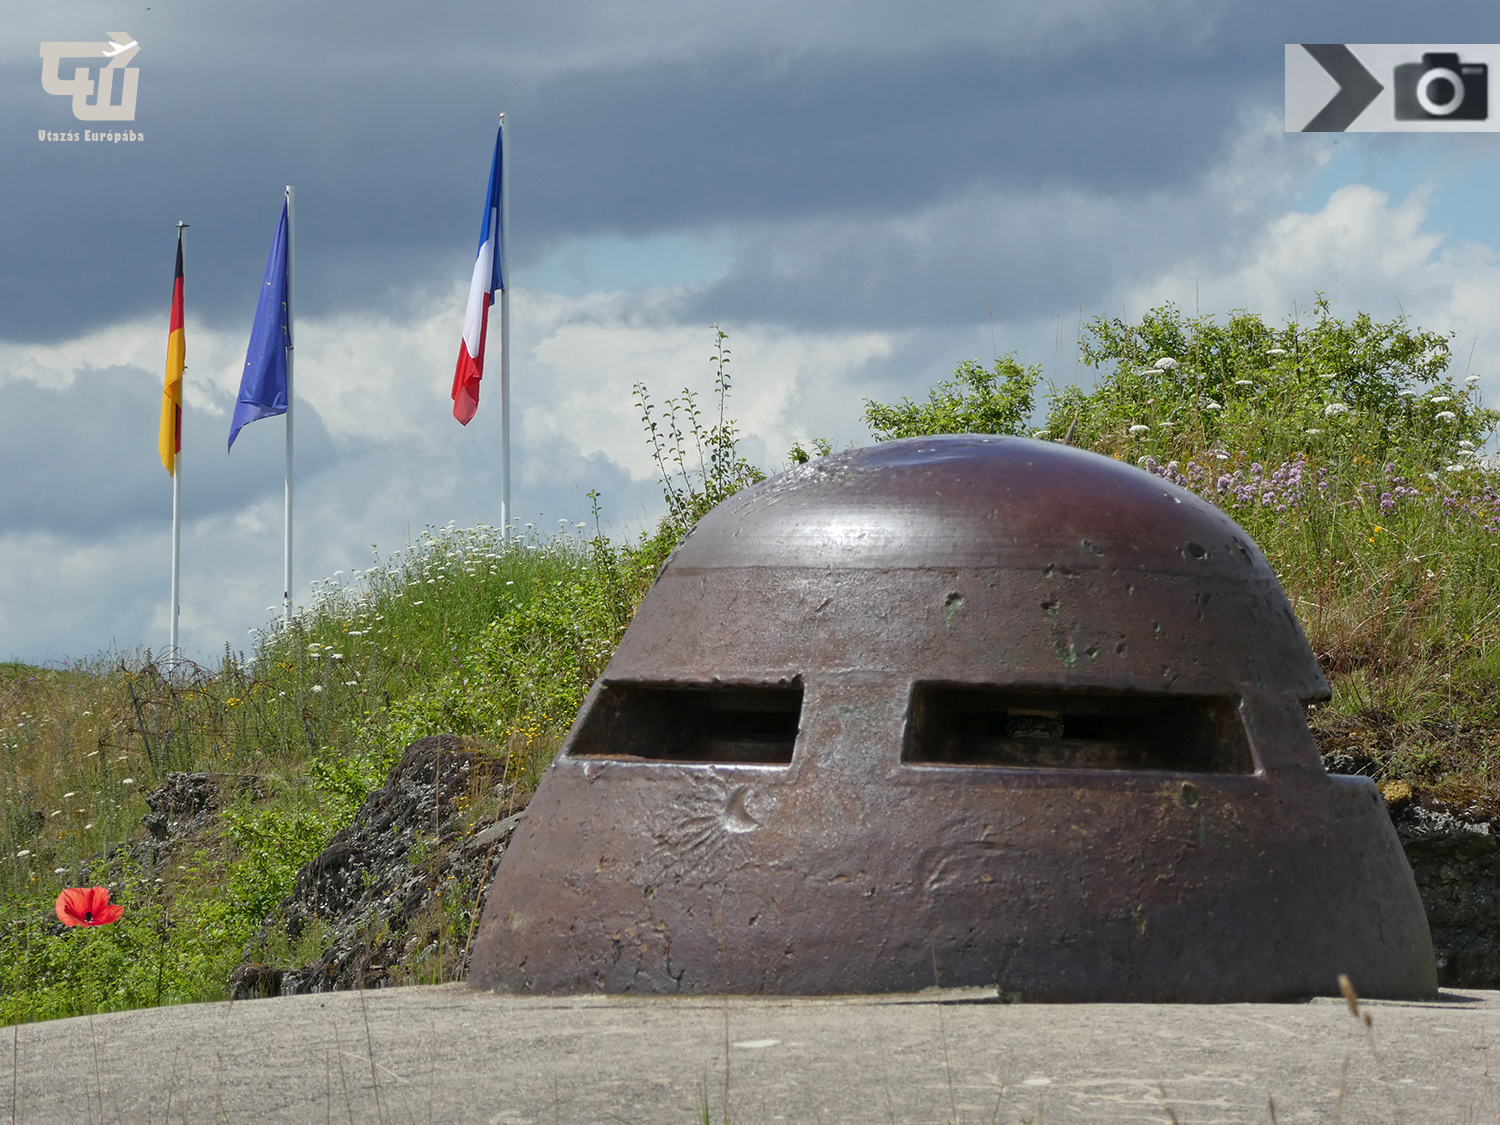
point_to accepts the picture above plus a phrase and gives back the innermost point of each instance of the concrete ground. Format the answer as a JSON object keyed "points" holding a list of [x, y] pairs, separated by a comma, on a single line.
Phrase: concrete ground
{"points": [[447, 1054]]}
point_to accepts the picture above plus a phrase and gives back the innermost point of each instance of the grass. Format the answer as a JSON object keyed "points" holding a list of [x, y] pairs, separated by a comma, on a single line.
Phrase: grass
{"points": [[1379, 517], [467, 632]]}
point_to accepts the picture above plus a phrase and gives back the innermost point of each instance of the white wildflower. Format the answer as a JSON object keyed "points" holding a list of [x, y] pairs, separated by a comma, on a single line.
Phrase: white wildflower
{"points": [[1334, 409], [1166, 363], [1471, 379], [127, 781], [317, 688], [1313, 433], [1212, 405], [1466, 445], [1446, 415], [1276, 351], [67, 795], [1139, 429], [23, 853], [1244, 382], [1440, 398]]}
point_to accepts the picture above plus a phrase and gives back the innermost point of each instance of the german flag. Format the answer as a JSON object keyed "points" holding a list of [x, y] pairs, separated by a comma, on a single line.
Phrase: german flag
{"points": [[170, 439]]}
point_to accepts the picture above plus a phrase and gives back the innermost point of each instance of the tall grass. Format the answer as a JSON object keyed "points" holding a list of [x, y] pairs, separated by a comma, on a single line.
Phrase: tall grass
{"points": [[467, 631]]}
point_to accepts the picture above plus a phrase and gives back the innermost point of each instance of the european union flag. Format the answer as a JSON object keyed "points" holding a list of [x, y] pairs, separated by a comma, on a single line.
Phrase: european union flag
{"points": [[263, 385]]}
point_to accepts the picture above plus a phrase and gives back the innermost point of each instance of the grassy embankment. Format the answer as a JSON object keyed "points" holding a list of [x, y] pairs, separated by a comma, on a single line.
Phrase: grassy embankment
{"points": [[1344, 448]]}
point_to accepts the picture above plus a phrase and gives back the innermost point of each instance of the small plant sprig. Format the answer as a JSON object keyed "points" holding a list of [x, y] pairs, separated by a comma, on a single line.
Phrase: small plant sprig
{"points": [[721, 471]]}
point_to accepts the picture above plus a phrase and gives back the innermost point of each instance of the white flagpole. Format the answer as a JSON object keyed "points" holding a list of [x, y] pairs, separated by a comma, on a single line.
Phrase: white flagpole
{"points": [[176, 552], [504, 327], [172, 649], [286, 593]]}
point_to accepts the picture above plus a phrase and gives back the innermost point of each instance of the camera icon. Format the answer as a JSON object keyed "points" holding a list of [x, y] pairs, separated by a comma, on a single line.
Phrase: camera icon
{"points": [[1442, 87]]}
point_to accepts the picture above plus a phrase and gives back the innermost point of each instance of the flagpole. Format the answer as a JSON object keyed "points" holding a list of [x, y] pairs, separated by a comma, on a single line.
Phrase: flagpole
{"points": [[172, 649], [504, 327], [286, 593]]}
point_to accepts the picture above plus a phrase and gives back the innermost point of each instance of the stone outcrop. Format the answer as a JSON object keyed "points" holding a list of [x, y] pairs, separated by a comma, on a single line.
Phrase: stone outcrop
{"points": [[385, 886], [1454, 852]]}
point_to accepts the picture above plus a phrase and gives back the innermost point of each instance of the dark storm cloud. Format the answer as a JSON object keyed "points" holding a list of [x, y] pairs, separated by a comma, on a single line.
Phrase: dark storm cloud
{"points": [[383, 123]]}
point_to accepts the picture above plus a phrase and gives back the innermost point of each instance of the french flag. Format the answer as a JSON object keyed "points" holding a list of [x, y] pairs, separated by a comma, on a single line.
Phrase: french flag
{"points": [[488, 281]]}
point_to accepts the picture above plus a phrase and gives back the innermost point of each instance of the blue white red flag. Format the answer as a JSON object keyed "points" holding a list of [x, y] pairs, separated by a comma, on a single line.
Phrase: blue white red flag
{"points": [[263, 384], [486, 283]]}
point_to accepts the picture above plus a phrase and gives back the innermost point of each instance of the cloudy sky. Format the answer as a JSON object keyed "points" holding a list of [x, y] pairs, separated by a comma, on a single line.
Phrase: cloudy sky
{"points": [[860, 193]]}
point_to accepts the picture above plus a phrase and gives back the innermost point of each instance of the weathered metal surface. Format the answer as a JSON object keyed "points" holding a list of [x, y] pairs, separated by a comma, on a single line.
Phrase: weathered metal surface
{"points": [[961, 710]]}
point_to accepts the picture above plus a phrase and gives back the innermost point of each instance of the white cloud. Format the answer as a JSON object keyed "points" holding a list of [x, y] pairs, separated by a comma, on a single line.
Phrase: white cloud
{"points": [[1366, 254]]}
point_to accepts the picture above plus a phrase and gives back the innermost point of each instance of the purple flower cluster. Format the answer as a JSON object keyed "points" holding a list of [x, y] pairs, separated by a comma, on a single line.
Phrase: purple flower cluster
{"points": [[1288, 486], [1399, 489], [1279, 490], [1483, 507]]}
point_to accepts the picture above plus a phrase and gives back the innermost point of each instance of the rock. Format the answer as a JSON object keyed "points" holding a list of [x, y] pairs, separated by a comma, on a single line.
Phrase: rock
{"points": [[1454, 853], [408, 856], [183, 805], [253, 981]]}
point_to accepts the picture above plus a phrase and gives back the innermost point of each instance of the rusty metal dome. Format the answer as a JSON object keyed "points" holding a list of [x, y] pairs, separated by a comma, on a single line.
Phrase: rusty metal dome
{"points": [[963, 711]]}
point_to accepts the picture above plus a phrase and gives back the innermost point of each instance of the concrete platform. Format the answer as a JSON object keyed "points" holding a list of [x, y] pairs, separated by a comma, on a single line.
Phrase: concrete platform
{"points": [[447, 1054]]}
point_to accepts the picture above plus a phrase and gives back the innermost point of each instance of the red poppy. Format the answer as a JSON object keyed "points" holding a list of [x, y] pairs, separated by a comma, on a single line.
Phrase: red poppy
{"points": [[87, 906]]}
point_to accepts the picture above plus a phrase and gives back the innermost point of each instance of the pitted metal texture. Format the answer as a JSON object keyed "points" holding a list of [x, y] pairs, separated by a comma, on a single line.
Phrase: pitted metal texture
{"points": [[957, 710]]}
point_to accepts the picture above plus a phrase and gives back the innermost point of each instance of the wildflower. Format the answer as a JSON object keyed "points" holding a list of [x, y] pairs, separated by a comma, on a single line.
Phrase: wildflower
{"points": [[1139, 429], [1471, 379], [1244, 383], [1466, 445], [67, 795], [1276, 351], [1387, 502], [1333, 409], [1446, 415], [1313, 433], [317, 688], [23, 853], [416, 603], [128, 781], [337, 656], [1166, 363], [59, 871], [1440, 398], [511, 582], [87, 906], [1212, 405]]}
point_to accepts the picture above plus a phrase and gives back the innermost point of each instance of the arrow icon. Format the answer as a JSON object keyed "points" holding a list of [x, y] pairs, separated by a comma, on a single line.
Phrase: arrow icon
{"points": [[1357, 87]]}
